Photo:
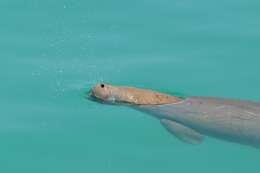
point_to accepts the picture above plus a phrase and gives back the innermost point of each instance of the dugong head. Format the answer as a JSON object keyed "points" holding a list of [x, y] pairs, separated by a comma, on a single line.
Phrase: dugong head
{"points": [[109, 94], [104, 93]]}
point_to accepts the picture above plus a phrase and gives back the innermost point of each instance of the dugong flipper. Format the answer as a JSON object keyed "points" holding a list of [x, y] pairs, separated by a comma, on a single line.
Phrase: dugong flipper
{"points": [[182, 132]]}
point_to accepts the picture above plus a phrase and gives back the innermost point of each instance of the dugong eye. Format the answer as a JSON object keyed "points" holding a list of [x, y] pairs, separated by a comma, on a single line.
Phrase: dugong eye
{"points": [[102, 85]]}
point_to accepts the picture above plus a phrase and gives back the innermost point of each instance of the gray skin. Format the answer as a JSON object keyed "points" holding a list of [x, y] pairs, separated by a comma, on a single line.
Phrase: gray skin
{"points": [[192, 118], [231, 120]]}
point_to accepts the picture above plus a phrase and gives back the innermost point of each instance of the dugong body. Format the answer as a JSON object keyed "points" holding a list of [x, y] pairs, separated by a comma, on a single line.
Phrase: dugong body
{"points": [[192, 118]]}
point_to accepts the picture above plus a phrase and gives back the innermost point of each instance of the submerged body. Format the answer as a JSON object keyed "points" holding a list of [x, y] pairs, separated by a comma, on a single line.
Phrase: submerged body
{"points": [[192, 118]]}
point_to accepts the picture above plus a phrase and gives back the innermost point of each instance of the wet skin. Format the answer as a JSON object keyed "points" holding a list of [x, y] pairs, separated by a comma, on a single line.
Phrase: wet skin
{"points": [[192, 118]]}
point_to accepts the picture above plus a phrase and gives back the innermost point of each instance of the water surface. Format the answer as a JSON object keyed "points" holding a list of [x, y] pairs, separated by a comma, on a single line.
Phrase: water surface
{"points": [[51, 53]]}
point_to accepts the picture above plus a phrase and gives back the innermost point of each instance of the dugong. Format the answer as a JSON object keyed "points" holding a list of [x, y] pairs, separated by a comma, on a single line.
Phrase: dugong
{"points": [[192, 118]]}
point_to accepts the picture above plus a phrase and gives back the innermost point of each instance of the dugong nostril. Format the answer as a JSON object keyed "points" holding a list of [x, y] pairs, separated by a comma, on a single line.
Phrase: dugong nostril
{"points": [[102, 85]]}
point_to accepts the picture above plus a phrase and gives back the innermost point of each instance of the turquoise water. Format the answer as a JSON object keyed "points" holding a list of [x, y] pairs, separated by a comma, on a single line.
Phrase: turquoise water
{"points": [[52, 52]]}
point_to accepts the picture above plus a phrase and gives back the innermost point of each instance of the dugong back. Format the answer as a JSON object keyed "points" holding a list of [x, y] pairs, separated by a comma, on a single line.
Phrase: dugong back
{"points": [[233, 120]]}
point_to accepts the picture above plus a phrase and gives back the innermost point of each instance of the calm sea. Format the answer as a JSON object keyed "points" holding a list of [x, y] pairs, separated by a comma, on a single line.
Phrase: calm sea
{"points": [[52, 52]]}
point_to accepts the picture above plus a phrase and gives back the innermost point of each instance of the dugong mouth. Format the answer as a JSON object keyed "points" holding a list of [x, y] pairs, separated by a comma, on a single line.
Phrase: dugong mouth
{"points": [[110, 101], [90, 95]]}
